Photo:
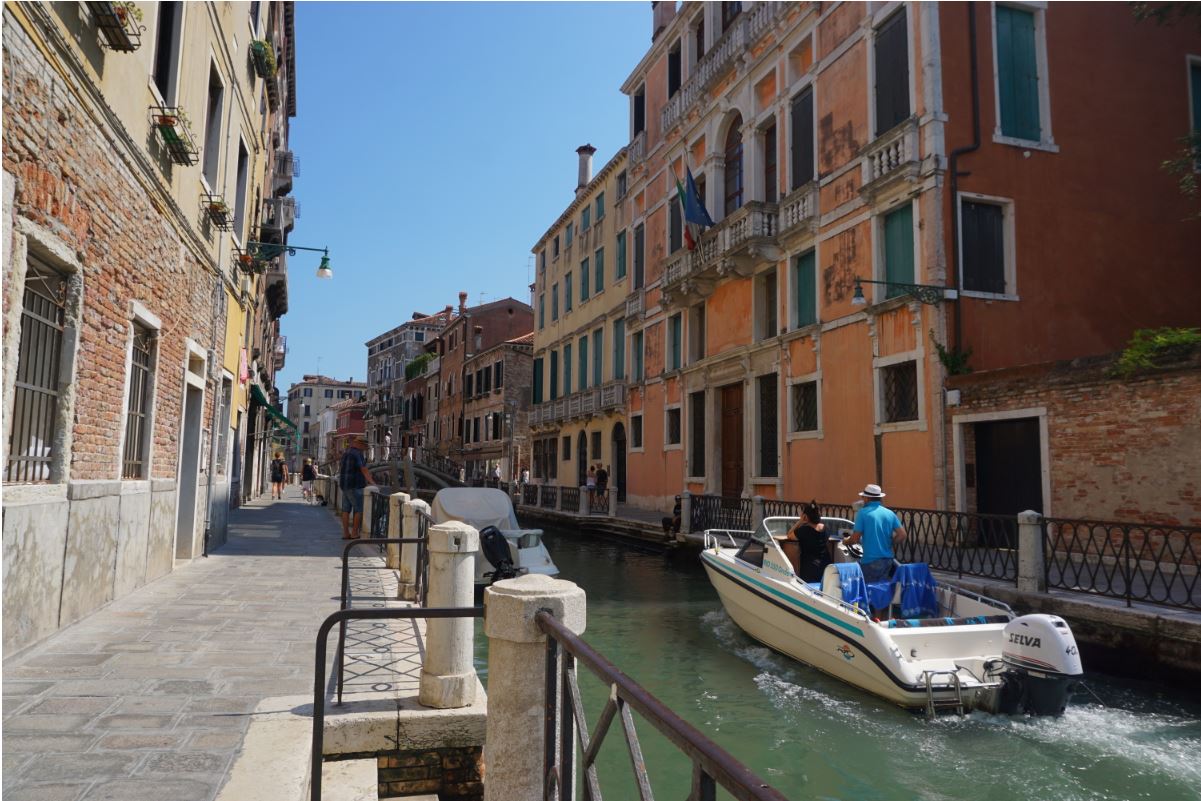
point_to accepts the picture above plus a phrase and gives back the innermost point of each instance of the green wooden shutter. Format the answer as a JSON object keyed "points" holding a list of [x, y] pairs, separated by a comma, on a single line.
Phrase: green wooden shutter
{"points": [[538, 380], [598, 356], [566, 370], [583, 362], [805, 287], [584, 285], [598, 268], [898, 247], [1017, 74], [619, 350], [554, 374], [621, 255]]}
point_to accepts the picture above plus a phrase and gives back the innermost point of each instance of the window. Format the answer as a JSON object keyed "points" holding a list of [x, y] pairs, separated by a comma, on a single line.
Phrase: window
{"points": [[486, 375], [672, 431], [552, 457], [542, 311], [635, 431], [166, 50], [729, 13], [1194, 75], [621, 255], [566, 448], [555, 248], [585, 283], [675, 70], [137, 413], [768, 427], [598, 269], [598, 356], [640, 110], [892, 73], [306, 426], [600, 206], [804, 286], [983, 246], [308, 392], [34, 422], [1018, 96], [496, 425], [212, 128], [583, 351], [804, 406], [696, 335], [733, 155], [567, 298], [767, 305], [898, 388], [898, 248], [570, 234], [639, 266], [636, 355], [470, 384], [770, 163], [619, 350], [567, 369], [498, 375], [700, 36], [696, 433], [585, 219], [419, 336], [554, 374], [240, 197], [675, 324], [622, 186], [675, 236], [542, 261], [802, 139]]}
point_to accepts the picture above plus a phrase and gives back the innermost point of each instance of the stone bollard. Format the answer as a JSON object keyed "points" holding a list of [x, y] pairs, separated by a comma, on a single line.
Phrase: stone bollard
{"points": [[514, 755], [448, 679], [370, 499], [396, 502], [685, 513], [584, 501], [757, 511], [408, 552], [1032, 575], [558, 499], [612, 501]]}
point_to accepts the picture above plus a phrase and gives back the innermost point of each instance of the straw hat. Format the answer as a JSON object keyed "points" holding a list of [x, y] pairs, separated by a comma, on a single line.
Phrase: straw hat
{"points": [[872, 491]]}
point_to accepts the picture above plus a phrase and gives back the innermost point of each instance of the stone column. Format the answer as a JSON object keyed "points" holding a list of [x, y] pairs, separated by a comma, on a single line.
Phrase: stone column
{"points": [[1032, 576], [558, 499], [583, 501], [685, 513], [447, 677], [612, 501], [538, 496], [513, 753], [757, 511], [396, 502], [408, 552], [370, 498]]}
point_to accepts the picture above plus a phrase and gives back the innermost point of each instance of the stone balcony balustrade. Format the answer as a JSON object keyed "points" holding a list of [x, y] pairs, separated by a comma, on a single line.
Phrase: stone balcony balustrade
{"points": [[746, 239], [890, 158], [584, 403], [799, 213], [636, 305]]}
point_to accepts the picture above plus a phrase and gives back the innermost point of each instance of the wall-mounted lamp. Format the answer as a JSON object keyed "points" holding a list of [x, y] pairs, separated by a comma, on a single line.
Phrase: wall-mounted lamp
{"points": [[262, 251], [926, 293]]}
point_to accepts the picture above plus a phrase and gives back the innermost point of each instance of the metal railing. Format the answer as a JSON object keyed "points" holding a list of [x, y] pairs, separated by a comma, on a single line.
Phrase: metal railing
{"points": [[716, 511], [422, 579], [570, 499], [529, 494], [963, 543], [1136, 562], [598, 502], [566, 726], [380, 513], [550, 496], [340, 618]]}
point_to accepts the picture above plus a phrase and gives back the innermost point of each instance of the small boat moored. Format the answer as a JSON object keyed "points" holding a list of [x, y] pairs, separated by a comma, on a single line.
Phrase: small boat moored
{"points": [[912, 640]]}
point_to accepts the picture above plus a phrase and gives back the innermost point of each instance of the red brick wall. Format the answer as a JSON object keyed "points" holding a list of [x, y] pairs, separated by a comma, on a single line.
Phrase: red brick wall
{"points": [[1126, 449]]}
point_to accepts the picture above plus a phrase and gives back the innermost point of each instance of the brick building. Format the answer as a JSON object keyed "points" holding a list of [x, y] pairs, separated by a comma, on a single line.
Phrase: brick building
{"points": [[136, 153], [496, 407], [307, 401]]}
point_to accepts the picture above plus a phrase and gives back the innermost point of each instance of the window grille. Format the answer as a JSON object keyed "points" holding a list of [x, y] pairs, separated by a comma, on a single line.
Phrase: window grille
{"points": [[673, 426], [768, 426], [636, 431], [696, 449], [137, 415], [900, 391], [35, 401], [804, 406]]}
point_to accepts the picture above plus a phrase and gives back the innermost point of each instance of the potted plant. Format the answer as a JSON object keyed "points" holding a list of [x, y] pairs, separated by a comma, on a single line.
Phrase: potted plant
{"points": [[127, 10], [218, 206], [264, 58]]}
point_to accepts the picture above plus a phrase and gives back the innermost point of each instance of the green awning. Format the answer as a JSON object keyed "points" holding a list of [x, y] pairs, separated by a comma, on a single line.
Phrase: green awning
{"points": [[261, 397]]}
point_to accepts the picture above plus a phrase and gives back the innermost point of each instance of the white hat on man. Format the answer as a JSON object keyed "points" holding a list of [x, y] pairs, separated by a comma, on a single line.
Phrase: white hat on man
{"points": [[872, 491]]}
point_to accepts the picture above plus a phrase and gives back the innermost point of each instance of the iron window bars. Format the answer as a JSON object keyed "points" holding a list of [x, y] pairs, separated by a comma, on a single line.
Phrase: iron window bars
{"points": [[118, 25], [172, 127]]}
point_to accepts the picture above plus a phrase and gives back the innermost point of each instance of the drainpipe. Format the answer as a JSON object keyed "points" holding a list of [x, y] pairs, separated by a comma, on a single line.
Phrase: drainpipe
{"points": [[953, 169]]}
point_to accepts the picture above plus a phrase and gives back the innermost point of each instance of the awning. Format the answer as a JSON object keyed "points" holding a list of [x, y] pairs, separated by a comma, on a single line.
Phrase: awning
{"points": [[261, 397]]}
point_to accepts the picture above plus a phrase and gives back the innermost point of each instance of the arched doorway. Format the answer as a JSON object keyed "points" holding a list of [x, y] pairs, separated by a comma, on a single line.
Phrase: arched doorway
{"points": [[619, 460], [581, 453]]}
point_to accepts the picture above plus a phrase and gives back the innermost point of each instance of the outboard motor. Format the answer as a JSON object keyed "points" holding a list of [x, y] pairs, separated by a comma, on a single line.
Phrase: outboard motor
{"points": [[495, 549], [1040, 665]]}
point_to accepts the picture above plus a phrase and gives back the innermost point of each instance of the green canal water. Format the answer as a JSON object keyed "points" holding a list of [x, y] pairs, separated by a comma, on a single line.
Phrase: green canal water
{"points": [[657, 618]]}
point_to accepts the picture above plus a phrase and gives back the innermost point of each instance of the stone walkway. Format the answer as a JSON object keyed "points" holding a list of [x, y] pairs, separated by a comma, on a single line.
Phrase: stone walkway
{"points": [[149, 698]]}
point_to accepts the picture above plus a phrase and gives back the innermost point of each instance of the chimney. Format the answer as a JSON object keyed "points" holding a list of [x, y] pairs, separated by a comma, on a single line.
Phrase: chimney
{"points": [[662, 13], [462, 302], [585, 152]]}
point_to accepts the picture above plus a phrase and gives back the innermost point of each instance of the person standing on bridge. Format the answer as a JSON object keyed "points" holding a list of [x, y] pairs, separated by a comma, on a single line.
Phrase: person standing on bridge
{"points": [[352, 478]]}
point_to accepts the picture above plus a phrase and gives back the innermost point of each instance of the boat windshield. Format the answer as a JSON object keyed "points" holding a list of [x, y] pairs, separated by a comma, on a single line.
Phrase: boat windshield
{"points": [[773, 527]]}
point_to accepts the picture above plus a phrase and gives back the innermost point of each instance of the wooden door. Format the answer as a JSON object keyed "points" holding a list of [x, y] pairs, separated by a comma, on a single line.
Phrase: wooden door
{"points": [[731, 441]]}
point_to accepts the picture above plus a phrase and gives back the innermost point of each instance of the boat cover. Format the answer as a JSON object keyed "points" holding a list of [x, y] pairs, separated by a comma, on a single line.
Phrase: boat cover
{"points": [[477, 506], [917, 590]]}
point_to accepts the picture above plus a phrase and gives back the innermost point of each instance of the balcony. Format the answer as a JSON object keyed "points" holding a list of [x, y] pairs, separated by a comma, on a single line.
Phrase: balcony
{"points": [[737, 245], [798, 213], [637, 149], [890, 158], [119, 25], [720, 59], [280, 351], [584, 403], [636, 305], [279, 218], [287, 166]]}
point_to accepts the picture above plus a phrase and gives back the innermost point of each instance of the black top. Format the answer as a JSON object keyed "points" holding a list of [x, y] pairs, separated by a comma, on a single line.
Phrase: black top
{"points": [[308, 473], [277, 470], [815, 553]]}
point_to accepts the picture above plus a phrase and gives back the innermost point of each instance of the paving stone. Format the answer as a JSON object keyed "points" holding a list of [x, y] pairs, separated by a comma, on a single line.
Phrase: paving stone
{"points": [[151, 789], [82, 767], [98, 687], [183, 687], [134, 722], [151, 705], [216, 740], [59, 706], [16, 689], [230, 704], [220, 721], [47, 743], [45, 792], [173, 763], [138, 742], [61, 660], [64, 724]]}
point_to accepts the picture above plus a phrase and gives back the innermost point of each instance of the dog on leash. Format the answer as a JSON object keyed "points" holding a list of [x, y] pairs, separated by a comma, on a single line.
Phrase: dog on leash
{"points": [[321, 499]]}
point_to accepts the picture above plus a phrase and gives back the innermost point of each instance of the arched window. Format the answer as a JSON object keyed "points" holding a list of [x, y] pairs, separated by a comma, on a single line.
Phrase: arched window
{"points": [[734, 166]]}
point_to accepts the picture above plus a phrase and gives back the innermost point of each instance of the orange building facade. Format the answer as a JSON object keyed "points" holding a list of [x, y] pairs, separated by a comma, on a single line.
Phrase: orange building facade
{"points": [[900, 191]]}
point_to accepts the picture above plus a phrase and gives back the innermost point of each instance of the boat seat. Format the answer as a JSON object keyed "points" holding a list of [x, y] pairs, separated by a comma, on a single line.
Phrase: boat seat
{"points": [[792, 550], [933, 622], [831, 583]]}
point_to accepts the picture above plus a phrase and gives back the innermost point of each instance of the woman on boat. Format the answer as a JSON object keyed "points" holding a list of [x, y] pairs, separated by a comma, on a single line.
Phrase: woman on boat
{"points": [[810, 534]]}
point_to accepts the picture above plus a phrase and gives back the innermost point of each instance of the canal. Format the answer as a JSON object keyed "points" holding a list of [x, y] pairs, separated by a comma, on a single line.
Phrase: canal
{"points": [[657, 618]]}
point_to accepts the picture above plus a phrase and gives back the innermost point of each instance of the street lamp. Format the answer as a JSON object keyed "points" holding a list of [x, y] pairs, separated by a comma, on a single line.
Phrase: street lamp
{"points": [[261, 251], [926, 293]]}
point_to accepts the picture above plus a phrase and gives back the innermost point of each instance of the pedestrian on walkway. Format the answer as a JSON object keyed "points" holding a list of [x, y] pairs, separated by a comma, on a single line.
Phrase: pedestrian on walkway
{"points": [[352, 478], [602, 480], [308, 474], [880, 529], [590, 483], [279, 476]]}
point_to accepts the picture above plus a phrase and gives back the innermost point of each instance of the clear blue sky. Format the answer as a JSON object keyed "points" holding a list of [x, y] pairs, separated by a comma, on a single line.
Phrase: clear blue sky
{"points": [[437, 144]]}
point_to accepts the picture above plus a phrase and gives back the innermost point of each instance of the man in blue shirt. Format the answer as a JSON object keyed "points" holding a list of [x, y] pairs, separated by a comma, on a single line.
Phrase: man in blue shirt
{"points": [[352, 478], [879, 528]]}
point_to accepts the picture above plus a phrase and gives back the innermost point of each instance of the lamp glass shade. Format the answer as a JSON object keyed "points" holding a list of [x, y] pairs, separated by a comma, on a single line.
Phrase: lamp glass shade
{"points": [[324, 270], [857, 299]]}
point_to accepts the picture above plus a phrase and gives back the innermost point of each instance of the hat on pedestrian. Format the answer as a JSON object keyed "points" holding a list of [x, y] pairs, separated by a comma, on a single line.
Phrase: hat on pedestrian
{"points": [[872, 491], [358, 438]]}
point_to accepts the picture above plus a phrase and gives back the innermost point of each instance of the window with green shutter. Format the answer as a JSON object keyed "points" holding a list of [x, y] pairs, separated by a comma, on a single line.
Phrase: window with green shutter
{"points": [[674, 337], [1017, 74], [583, 349], [538, 380], [600, 207], [892, 72], [636, 355], [585, 219], [568, 298], [598, 268], [804, 282], [554, 374], [598, 356], [619, 350], [567, 369], [621, 255], [898, 248], [585, 286]]}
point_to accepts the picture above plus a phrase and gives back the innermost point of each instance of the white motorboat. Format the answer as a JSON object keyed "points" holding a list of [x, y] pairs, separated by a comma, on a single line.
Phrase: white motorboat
{"points": [[911, 640], [485, 508]]}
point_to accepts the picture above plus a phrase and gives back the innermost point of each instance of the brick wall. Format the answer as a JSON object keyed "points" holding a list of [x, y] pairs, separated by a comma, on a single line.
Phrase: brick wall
{"points": [[1126, 449], [454, 774]]}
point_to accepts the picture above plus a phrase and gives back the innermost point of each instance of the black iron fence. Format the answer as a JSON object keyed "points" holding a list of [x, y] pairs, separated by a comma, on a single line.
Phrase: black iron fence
{"points": [[1149, 563], [960, 542], [571, 498], [716, 511], [550, 496], [598, 502], [529, 494], [566, 725], [380, 512]]}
